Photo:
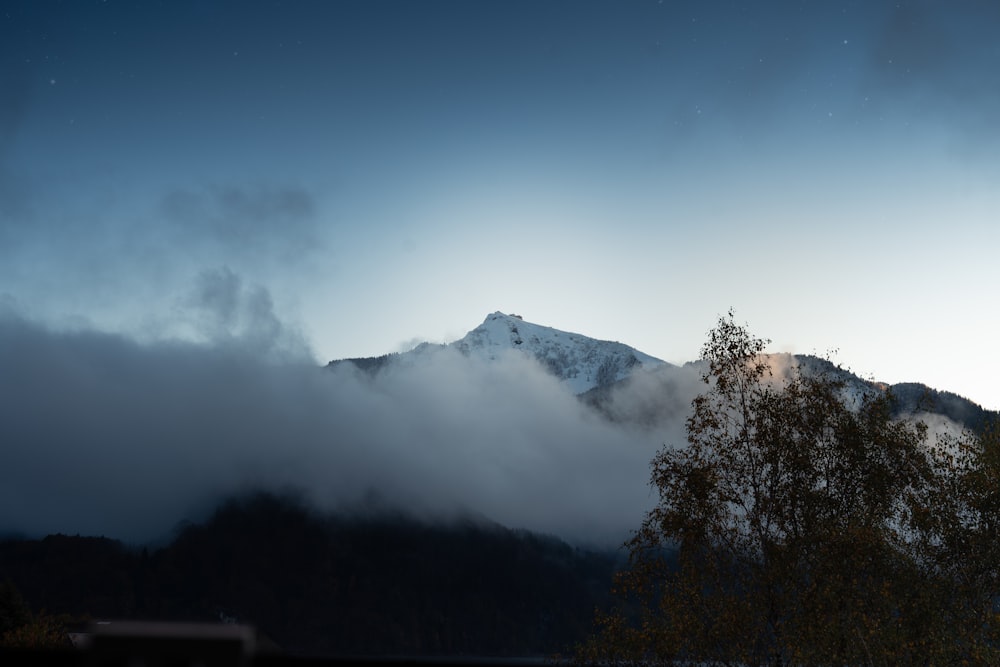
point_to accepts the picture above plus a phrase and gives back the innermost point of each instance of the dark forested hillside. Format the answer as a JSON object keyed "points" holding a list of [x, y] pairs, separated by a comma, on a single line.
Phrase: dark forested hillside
{"points": [[325, 585], [913, 397]]}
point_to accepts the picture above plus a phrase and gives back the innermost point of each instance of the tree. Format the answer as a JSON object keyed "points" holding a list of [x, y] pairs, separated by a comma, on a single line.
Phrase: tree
{"points": [[798, 526], [14, 612], [959, 543], [42, 631], [19, 628]]}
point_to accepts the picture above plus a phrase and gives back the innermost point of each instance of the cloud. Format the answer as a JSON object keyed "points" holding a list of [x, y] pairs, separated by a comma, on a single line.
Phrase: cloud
{"points": [[104, 435], [659, 400], [68, 255], [223, 311]]}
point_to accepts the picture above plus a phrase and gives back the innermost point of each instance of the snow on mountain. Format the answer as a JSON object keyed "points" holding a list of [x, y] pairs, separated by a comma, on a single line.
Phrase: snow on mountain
{"points": [[580, 362], [604, 374]]}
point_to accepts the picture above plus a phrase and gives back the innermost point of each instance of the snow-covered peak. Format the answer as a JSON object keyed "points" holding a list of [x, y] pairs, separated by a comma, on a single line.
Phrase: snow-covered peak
{"points": [[581, 363]]}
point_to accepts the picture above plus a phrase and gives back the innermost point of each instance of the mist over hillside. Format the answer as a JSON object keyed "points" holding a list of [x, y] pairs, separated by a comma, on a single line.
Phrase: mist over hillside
{"points": [[108, 436]]}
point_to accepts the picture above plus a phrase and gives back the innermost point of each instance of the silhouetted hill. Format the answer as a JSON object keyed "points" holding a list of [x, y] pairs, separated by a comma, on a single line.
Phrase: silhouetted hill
{"points": [[332, 585], [73, 574]]}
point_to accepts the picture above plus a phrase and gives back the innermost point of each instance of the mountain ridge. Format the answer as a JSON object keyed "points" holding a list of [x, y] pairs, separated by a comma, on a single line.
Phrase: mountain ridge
{"points": [[593, 369]]}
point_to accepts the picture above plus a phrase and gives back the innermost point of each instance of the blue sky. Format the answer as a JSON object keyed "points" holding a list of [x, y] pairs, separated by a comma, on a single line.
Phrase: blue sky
{"points": [[386, 172]]}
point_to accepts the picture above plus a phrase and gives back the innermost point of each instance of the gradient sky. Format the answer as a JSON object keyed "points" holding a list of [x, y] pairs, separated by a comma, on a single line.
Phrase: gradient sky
{"points": [[378, 173]]}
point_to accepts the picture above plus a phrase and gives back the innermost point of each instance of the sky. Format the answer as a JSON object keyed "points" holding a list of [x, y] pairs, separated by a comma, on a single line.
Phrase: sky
{"points": [[394, 171], [301, 181]]}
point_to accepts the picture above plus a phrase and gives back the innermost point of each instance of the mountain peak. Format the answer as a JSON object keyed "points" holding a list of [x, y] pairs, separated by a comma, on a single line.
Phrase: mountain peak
{"points": [[580, 362]]}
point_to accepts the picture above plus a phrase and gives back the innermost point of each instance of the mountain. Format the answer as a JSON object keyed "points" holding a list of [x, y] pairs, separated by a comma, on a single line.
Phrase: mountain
{"points": [[603, 372], [580, 362], [908, 398]]}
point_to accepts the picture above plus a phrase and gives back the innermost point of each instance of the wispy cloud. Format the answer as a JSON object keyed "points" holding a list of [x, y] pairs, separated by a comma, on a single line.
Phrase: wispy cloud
{"points": [[104, 435]]}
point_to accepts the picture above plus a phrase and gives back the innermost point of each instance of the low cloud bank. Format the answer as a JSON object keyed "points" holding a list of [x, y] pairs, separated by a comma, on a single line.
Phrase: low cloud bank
{"points": [[107, 436]]}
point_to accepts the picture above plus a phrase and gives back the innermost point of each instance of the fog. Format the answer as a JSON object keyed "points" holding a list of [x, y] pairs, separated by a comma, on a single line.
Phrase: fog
{"points": [[104, 435]]}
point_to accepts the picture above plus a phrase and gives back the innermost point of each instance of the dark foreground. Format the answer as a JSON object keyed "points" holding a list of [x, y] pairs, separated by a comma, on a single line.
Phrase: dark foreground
{"points": [[318, 586], [149, 644]]}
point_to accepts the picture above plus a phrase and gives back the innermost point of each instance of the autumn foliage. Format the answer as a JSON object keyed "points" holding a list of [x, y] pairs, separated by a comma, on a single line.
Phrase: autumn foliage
{"points": [[801, 524]]}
